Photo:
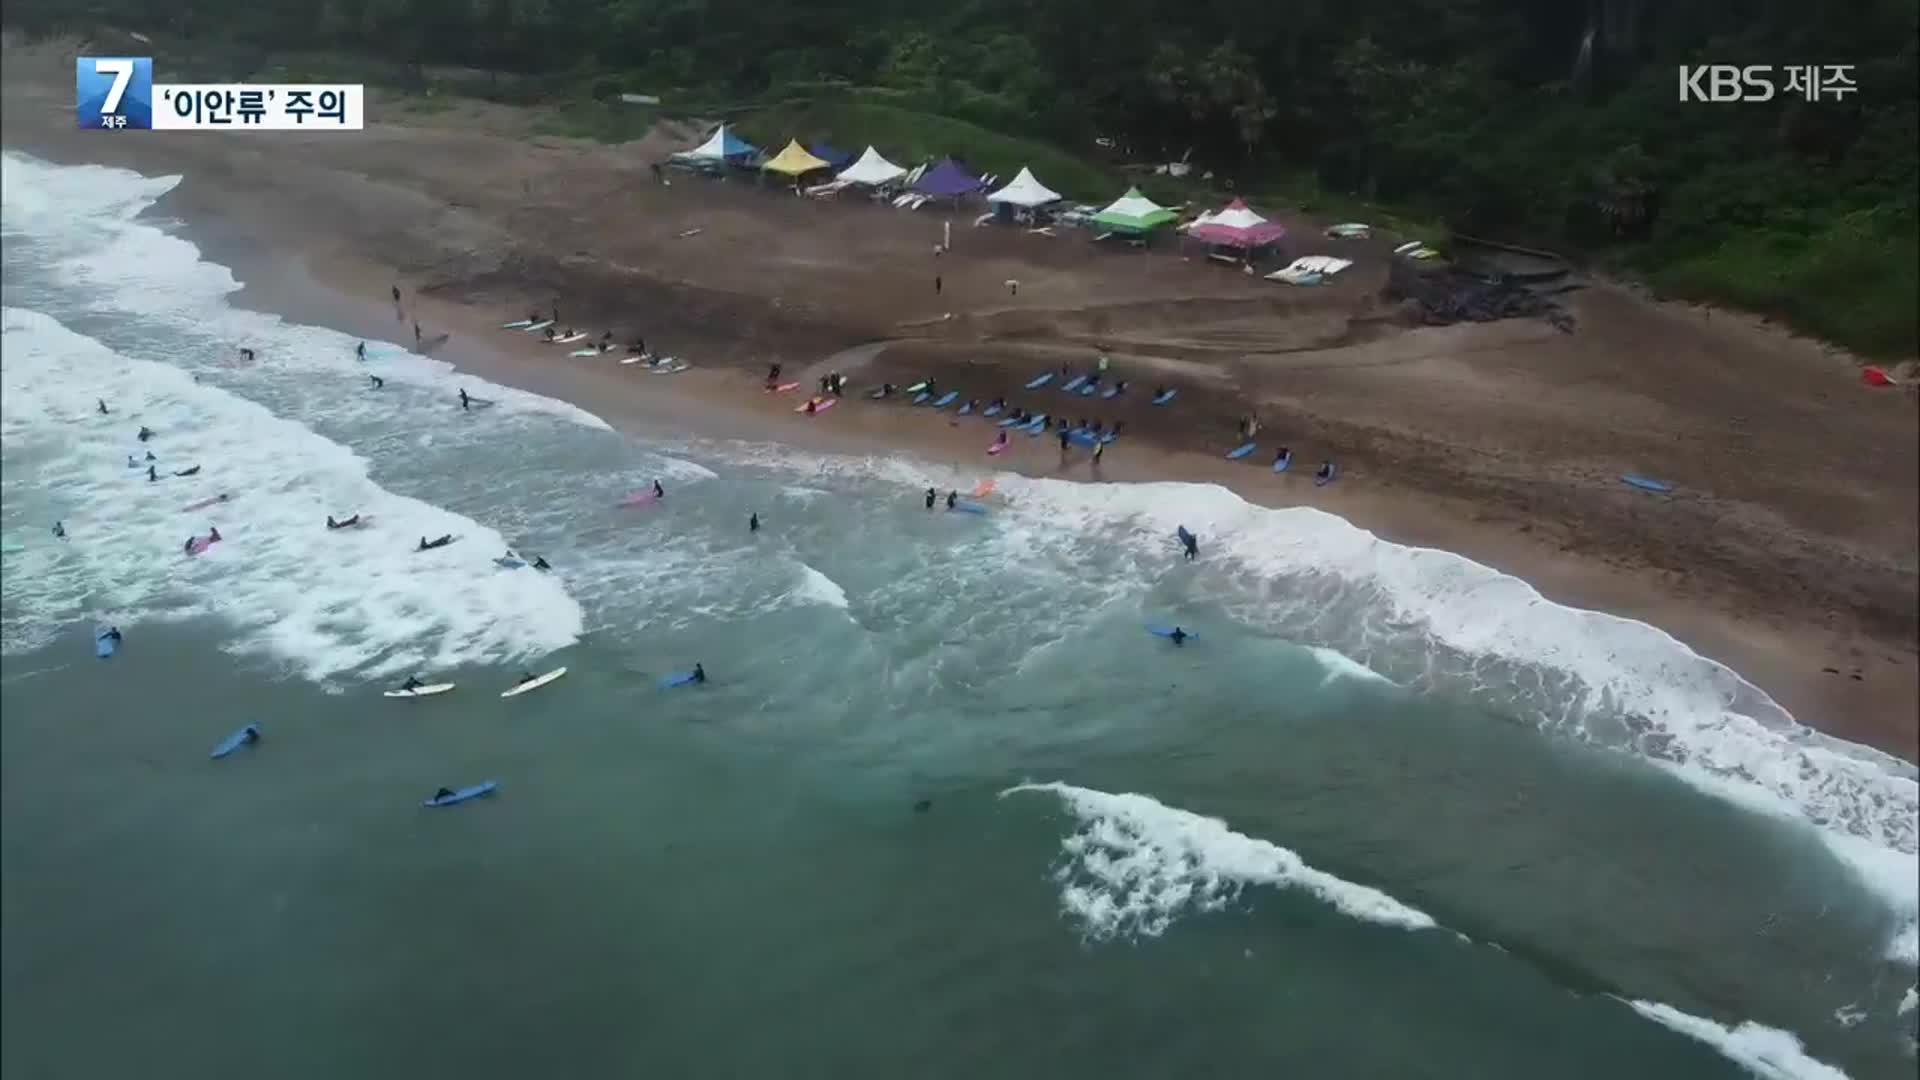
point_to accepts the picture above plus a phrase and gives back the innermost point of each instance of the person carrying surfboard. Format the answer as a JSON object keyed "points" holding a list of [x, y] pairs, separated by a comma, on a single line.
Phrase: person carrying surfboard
{"points": [[1190, 542]]}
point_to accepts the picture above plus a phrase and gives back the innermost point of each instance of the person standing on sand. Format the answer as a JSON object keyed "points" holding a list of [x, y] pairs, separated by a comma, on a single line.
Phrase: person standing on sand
{"points": [[416, 333], [396, 296], [1063, 444], [1098, 449], [937, 283]]}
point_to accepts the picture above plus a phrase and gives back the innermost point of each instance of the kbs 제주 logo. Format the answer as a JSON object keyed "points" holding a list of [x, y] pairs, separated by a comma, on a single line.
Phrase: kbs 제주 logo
{"points": [[114, 92]]}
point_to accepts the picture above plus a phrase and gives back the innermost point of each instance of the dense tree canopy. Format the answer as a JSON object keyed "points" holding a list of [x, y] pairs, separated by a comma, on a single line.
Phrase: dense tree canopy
{"points": [[1534, 119]]}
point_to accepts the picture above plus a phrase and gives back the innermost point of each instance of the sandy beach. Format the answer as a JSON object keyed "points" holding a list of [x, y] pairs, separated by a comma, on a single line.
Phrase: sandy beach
{"points": [[1788, 550]]}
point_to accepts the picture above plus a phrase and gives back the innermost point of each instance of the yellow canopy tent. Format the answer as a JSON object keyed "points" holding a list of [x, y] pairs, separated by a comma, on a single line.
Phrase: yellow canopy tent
{"points": [[795, 160]]}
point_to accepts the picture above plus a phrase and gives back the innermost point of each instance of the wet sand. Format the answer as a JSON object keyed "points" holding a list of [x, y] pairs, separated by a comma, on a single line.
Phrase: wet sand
{"points": [[1788, 549]]}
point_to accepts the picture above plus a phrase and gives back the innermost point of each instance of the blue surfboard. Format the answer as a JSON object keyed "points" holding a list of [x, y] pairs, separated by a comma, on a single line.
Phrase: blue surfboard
{"points": [[1040, 380], [1074, 383], [1166, 397], [678, 678], [1241, 451], [509, 564], [991, 410], [1647, 483], [1333, 472], [946, 399], [460, 795], [1088, 390], [969, 507], [104, 644], [921, 398], [965, 410], [1167, 632], [1011, 420], [235, 741], [1111, 391], [1280, 463]]}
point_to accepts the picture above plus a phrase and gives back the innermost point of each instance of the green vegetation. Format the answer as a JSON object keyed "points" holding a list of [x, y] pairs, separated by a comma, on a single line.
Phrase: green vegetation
{"points": [[1537, 121]]}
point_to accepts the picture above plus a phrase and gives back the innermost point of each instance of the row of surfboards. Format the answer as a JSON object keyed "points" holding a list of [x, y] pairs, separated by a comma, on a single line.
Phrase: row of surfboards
{"points": [[657, 365], [1089, 385], [250, 735], [1283, 462]]}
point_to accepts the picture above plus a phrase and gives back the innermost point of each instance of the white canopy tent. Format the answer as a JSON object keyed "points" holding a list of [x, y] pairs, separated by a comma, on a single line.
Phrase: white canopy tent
{"points": [[1025, 191], [872, 170]]}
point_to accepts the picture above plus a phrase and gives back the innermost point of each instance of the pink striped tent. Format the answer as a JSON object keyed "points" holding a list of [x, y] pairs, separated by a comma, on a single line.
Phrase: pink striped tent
{"points": [[1237, 226]]}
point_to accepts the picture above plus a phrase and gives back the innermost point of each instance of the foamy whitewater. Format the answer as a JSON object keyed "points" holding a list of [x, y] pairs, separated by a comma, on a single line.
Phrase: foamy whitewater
{"points": [[1297, 753]]}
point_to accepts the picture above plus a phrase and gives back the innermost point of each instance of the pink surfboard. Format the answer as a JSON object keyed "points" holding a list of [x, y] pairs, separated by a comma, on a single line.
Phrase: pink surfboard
{"points": [[820, 405], [783, 388], [200, 544], [640, 498], [997, 447]]}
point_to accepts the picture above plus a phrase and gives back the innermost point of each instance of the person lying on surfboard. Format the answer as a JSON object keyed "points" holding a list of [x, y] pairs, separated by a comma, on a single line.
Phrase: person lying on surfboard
{"points": [[443, 793], [426, 545], [541, 563], [411, 684], [348, 523], [525, 678]]}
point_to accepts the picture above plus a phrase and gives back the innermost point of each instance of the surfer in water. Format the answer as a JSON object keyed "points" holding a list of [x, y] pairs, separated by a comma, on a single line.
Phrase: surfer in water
{"points": [[348, 523], [428, 545], [113, 632], [812, 406], [1178, 637], [443, 793], [145, 433], [250, 736], [1284, 455], [152, 475], [699, 674], [540, 563], [773, 374], [465, 401], [931, 496], [753, 523], [378, 382], [59, 530], [103, 405], [953, 499], [658, 491], [412, 684], [525, 678], [213, 534], [246, 354], [1190, 542]]}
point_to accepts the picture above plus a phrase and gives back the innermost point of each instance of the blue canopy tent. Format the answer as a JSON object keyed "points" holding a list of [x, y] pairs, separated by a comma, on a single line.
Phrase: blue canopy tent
{"points": [[838, 159], [948, 180]]}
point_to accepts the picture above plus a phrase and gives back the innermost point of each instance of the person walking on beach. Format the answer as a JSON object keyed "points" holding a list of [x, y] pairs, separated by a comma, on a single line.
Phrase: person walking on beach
{"points": [[416, 333], [1098, 449], [396, 296], [931, 496], [937, 283]]}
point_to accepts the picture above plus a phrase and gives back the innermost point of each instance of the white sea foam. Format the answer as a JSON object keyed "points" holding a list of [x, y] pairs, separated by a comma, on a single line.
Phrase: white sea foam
{"points": [[330, 603], [1439, 622], [84, 219], [1134, 865], [1766, 1052], [1909, 1000], [817, 588]]}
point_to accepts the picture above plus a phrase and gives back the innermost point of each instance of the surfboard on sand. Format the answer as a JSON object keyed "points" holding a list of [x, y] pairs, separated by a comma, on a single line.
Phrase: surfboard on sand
{"points": [[534, 684], [783, 388], [1241, 451], [820, 405], [1646, 483], [1040, 380], [1163, 398]]}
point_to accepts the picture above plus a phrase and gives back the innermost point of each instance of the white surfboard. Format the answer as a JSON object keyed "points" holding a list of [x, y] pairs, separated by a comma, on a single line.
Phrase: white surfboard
{"points": [[672, 368], [568, 339], [536, 683], [421, 691]]}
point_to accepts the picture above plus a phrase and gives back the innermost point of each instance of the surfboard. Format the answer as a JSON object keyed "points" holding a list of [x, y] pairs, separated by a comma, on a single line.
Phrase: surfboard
{"points": [[878, 393], [509, 564], [640, 498], [678, 678], [636, 359], [998, 448], [568, 339], [1073, 383], [1038, 427], [200, 544], [991, 410], [1333, 473], [584, 352], [461, 795], [965, 410], [946, 399], [672, 367], [966, 507], [1011, 420], [917, 387], [104, 645], [1162, 399], [1280, 464], [1088, 390], [983, 489], [783, 388], [820, 405], [1167, 632], [418, 550], [1241, 451], [534, 328], [534, 684], [234, 741], [517, 324], [420, 691], [204, 503], [1040, 380], [1647, 483], [921, 398], [1110, 392], [195, 471]]}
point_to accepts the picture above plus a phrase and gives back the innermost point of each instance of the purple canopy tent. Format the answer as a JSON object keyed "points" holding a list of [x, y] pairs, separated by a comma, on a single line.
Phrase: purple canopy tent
{"points": [[948, 180]]}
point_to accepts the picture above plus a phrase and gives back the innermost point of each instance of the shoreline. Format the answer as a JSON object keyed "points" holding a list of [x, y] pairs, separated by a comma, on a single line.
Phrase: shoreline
{"points": [[728, 403]]}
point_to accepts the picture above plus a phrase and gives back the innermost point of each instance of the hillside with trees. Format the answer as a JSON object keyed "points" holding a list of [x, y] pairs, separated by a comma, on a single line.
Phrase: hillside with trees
{"points": [[1534, 121]]}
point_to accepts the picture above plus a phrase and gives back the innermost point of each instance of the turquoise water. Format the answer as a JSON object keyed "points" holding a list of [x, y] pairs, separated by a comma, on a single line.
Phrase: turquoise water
{"points": [[1357, 829]]}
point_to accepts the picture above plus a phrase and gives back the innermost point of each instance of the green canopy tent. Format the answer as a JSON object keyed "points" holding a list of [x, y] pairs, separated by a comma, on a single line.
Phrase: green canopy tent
{"points": [[1134, 214]]}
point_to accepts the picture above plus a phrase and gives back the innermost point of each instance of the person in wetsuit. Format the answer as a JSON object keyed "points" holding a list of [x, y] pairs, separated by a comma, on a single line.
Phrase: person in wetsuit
{"points": [[465, 401], [59, 530], [145, 433], [931, 495], [443, 793], [753, 523], [540, 563], [1191, 543], [212, 534], [525, 678], [412, 683], [953, 499], [250, 736], [247, 355], [378, 382], [1178, 637], [1325, 472], [103, 405], [699, 674], [658, 491], [360, 351], [152, 475]]}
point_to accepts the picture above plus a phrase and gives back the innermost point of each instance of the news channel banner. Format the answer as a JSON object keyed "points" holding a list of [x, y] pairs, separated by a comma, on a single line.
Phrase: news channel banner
{"points": [[117, 93]]}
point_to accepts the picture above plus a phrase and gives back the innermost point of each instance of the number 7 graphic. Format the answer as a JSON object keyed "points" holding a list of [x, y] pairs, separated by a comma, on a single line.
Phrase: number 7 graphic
{"points": [[122, 72]]}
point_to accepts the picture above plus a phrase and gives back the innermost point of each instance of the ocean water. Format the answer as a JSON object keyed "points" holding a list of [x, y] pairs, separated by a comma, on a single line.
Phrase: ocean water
{"points": [[1391, 814]]}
